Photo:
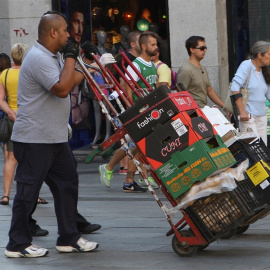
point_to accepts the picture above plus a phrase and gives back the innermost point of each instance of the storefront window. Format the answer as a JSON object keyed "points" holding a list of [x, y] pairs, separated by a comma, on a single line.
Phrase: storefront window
{"points": [[118, 18], [248, 22], [107, 24]]}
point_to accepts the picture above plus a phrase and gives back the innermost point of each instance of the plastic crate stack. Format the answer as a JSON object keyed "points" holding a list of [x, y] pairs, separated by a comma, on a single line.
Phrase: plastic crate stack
{"points": [[258, 173], [254, 191]]}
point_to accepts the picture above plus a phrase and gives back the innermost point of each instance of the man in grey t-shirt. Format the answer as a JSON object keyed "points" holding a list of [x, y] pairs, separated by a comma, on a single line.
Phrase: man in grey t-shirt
{"points": [[40, 138], [194, 76]]}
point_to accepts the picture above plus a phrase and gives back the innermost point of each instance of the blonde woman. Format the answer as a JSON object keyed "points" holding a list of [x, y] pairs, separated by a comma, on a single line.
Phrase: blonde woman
{"points": [[8, 102]]}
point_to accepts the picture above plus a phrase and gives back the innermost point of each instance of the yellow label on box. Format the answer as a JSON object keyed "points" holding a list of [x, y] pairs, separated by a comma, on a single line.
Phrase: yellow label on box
{"points": [[258, 172]]}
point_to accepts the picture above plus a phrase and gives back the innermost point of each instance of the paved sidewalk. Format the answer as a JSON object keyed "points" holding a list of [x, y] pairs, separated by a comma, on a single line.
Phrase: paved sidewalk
{"points": [[132, 234]]}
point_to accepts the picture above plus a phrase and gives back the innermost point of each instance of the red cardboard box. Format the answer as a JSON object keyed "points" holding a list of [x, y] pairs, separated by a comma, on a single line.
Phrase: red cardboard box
{"points": [[183, 101], [199, 123], [166, 139], [149, 111]]}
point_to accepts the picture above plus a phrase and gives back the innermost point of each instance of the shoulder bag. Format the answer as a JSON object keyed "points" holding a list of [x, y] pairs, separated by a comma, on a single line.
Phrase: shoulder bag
{"points": [[5, 130], [245, 95]]}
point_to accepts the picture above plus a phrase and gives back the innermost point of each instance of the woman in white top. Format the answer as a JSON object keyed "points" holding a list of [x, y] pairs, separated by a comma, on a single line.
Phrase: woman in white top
{"points": [[254, 115]]}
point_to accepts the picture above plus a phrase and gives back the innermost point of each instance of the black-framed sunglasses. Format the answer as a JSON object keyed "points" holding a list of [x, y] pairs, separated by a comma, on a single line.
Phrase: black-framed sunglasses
{"points": [[202, 48]]}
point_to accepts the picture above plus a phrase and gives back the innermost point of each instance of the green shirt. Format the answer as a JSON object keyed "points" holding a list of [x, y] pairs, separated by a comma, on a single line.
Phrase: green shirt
{"points": [[147, 69]]}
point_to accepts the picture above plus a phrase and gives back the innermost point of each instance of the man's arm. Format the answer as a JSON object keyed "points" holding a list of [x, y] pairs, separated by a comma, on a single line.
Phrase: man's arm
{"points": [[129, 91], [66, 79]]}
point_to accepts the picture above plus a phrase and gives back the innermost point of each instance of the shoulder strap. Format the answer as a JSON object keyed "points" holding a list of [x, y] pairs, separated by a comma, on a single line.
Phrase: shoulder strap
{"points": [[159, 64], [6, 78], [6, 82], [248, 77]]}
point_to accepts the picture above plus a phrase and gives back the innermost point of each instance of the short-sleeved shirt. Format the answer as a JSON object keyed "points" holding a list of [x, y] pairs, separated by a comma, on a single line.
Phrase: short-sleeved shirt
{"points": [[147, 69], [196, 81], [11, 87], [164, 73], [42, 117]]}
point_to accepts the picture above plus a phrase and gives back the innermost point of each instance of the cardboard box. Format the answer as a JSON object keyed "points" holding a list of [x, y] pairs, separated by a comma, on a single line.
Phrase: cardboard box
{"points": [[183, 101], [193, 164], [199, 123], [174, 135], [220, 123], [156, 108], [233, 135]]}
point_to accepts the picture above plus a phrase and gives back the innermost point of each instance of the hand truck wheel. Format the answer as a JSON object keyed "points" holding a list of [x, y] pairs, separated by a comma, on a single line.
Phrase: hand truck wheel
{"points": [[182, 249], [242, 229]]}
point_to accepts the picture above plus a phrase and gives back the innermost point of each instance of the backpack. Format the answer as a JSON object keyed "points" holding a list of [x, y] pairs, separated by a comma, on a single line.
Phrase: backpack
{"points": [[173, 76]]}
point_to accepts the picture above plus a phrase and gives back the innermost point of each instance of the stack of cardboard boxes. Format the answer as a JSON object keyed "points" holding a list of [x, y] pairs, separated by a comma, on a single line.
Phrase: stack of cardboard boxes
{"points": [[176, 138]]}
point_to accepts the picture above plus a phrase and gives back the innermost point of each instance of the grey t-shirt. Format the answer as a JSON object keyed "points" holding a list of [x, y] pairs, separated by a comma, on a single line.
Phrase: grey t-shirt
{"points": [[196, 81], [42, 117]]}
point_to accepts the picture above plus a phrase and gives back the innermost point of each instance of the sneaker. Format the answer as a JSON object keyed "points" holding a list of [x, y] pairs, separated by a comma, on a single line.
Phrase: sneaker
{"points": [[105, 175], [30, 252], [122, 171], [39, 232], [134, 187], [89, 228], [151, 181], [82, 245]]}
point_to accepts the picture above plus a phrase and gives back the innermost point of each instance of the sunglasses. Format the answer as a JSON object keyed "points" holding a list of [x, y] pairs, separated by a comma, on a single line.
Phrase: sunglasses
{"points": [[202, 48]]}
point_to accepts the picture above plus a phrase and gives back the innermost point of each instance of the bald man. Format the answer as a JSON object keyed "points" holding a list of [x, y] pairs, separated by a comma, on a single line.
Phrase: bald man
{"points": [[40, 137]]}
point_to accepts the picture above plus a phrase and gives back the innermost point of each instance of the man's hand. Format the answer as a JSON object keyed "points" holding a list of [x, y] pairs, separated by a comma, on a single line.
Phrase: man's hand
{"points": [[88, 48], [70, 50], [107, 58]]}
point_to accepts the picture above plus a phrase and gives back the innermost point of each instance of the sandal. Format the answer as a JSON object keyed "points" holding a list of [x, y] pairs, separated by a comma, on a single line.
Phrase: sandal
{"points": [[5, 202], [41, 201]]}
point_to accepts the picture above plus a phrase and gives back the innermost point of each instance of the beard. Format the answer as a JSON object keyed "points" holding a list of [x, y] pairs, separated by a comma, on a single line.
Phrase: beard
{"points": [[151, 53]]}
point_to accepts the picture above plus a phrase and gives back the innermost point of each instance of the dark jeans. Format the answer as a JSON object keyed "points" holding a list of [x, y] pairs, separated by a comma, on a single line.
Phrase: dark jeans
{"points": [[55, 163]]}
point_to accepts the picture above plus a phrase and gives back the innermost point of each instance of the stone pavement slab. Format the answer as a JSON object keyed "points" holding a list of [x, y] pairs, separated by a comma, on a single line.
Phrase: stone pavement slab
{"points": [[133, 233]]}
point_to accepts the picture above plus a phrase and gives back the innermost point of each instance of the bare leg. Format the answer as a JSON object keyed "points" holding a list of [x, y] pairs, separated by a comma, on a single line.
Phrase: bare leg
{"points": [[132, 169], [9, 171], [118, 155], [124, 162]]}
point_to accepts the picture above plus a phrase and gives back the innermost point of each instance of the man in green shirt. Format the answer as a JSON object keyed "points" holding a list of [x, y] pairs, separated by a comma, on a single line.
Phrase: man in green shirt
{"points": [[194, 76], [149, 48]]}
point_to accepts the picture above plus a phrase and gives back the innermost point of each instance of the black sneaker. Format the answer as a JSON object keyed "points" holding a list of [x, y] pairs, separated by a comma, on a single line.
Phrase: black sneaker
{"points": [[89, 228], [134, 187], [39, 232]]}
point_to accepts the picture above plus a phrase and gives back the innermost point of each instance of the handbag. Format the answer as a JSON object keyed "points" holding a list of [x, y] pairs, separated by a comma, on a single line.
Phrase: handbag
{"points": [[245, 95], [5, 129]]}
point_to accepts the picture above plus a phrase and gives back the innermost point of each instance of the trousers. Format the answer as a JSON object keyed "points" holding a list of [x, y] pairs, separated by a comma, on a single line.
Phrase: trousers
{"points": [[53, 163]]}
